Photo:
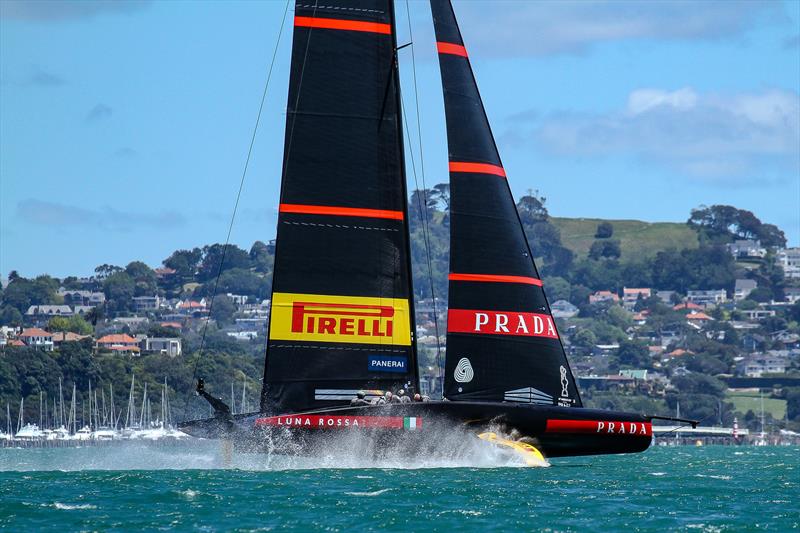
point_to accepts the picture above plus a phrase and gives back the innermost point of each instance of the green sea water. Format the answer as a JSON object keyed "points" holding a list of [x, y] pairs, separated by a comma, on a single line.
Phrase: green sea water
{"points": [[205, 487]]}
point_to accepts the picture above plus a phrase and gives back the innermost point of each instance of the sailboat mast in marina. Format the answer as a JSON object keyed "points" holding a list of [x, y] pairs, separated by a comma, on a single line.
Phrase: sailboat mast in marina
{"points": [[342, 310]]}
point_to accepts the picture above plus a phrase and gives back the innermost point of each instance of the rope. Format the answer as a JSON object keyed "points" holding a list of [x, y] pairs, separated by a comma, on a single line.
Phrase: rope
{"points": [[423, 209], [239, 192]]}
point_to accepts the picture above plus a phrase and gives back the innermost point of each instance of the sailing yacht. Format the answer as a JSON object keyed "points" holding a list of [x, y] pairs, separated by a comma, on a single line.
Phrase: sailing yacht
{"points": [[342, 307]]}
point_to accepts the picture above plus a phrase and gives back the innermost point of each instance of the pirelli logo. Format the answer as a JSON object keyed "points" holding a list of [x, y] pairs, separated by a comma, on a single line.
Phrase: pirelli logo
{"points": [[348, 319]]}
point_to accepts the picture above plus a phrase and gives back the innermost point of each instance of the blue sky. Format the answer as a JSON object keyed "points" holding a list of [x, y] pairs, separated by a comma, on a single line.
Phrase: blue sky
{"points": [[124, 125]]}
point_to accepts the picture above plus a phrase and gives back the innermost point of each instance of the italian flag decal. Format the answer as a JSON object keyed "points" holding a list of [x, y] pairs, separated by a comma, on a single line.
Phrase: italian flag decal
{"points": [[412, 422]]}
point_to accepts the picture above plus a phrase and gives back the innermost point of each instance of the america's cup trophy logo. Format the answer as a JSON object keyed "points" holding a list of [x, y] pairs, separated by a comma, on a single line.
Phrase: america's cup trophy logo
{"points": [[564, 382]]}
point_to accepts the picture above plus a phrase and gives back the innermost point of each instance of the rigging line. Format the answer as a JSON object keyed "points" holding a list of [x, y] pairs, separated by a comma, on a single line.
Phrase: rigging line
{"points": [[425, 225], [241, 186], [426, 240]]}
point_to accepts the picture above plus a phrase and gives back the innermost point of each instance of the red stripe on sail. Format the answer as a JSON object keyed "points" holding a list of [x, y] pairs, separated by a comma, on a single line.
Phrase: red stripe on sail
{"points": [[495, 278], [340, 211], [342, 24], [603, 427], [452, 49], [478, 168]]}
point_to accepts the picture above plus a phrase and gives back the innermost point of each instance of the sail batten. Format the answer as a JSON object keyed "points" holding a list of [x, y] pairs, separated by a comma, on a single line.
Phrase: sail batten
{"points": [[502, 341], [342, 313]]}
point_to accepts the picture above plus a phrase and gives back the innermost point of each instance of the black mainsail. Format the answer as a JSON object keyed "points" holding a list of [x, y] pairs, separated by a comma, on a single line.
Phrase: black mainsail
{"points": [[342, 313], [502, 343]]}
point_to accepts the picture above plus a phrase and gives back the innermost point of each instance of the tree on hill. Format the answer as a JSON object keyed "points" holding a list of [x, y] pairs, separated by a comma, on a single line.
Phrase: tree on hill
{"points": [[261, 258], [605, 249], [604, 230], [185, 263], [144, 277], [543, 237], [724, 223], [74, 323], [223, 310], [212, 263], [21, 293], [633, 354], [119, 288]]}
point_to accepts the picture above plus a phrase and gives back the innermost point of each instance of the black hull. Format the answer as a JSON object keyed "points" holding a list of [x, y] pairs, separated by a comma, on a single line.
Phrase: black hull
{"points": [[555, 431]]}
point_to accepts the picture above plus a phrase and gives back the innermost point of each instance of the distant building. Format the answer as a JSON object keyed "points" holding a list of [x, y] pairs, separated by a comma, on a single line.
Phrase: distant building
{"points": [[792, 294], [238, 299], [758, 314], [563, 309], [631, 296], [743, 288], [60, 337], [120, 343], [789, 260], [707, 298], [746, 248], [164, 345], [47, 311], [758, 364], [698, 319], [603, 296], [688, 306], [134, 323], [666, 297], [164, 272], [146, 304], [37, 338]]}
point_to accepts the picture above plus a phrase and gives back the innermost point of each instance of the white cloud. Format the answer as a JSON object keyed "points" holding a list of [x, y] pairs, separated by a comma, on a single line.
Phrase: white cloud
{"points": [[57, 10], [519, 28], [723, 137], [108, 218]]}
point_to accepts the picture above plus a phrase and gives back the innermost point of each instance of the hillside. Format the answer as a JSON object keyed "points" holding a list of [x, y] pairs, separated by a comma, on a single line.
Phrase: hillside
{"points": [[637, 239]]}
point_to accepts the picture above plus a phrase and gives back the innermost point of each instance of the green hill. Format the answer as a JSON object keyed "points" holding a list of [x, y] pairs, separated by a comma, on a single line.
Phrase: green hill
{"points": [[637, 238]]}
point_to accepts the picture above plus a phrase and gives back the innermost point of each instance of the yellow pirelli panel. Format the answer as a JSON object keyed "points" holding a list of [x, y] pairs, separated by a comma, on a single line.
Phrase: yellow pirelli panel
{"points": [[348, 319]]}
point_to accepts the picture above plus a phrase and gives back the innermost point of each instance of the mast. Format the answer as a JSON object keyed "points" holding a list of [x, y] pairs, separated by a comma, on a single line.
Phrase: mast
{"points": [[502, 342], [342, 312]]}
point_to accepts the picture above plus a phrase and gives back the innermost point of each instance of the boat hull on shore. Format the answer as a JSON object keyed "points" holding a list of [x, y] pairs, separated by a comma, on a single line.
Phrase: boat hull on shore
{"points": [[555, 431]]}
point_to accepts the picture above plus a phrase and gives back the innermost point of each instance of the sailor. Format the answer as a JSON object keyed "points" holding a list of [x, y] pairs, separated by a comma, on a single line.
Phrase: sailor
{"points": [[359, 400], [403, 397]]}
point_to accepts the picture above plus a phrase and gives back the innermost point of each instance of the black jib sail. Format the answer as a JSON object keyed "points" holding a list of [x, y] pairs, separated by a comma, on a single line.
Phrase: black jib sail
{"points": [[502, 343], [342, 314]]}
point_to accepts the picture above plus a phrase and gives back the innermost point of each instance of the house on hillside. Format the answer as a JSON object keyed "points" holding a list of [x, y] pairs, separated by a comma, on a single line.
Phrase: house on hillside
{"points": [[707, 298], [48, 311], [60, 337], [37, 338], [758, 314], [698, 319], [743, 288], [119, 343], [603, 296], [792, 294], [165, 345], [758, 364], [631, 296], [741, 249], [146, 304], [789, 260], [666, 297]]}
